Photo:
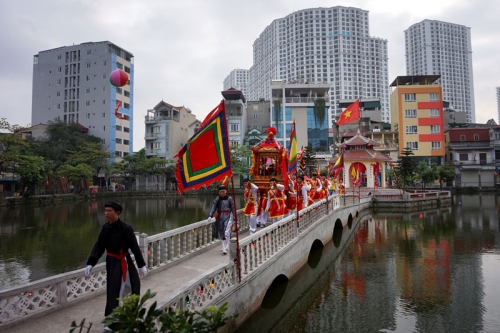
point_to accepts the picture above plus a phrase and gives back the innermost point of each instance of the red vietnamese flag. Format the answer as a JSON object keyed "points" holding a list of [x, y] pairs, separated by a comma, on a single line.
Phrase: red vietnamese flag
{"points": [[350, 114]]}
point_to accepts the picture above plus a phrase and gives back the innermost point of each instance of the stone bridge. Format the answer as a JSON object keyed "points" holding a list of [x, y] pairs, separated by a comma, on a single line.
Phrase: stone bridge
{"points": [[187, 270]]}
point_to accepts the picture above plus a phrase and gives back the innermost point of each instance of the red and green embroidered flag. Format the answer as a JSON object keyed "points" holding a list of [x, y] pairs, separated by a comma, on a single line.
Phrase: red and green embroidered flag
{"points": [[206, 157]]}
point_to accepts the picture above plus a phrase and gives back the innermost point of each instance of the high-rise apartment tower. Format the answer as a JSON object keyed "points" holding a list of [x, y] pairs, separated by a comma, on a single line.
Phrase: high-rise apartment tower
{"points": [[237, 79], [71, 84], [440, 48], [322, 45]]}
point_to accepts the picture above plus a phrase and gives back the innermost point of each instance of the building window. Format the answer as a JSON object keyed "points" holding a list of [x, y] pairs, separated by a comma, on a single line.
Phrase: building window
{"points": [[126, 129], [436, 145], [119, 65], [118, 140], [87, 78], [89, 52], [104, 128], [119, 91], [104, 76], [88, 65], [411, 113], [156, 129], [234, 127], [462, 137], [410, 98], [234, 143], [126, 142], [434, 113], [126, 105], [58, 81], [58, 93], [463, 157], [435, 129], [118, 128], [433, 97], [87, 116], [156, 145], [104, 88], [255, 116], [87, 103], [411, 129], [476, 137], [413, 145], [104, 114], [59, 69], [58, 106], [103, 102], [87, 90]]}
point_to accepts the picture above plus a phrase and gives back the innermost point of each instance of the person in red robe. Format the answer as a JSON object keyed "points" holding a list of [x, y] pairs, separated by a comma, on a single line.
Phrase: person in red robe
{"points": [[251, 204], [276, 201]]}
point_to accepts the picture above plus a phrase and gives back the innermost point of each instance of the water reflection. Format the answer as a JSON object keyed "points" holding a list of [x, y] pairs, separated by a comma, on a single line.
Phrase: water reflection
{"points": [[431, 271], [36, 242]]}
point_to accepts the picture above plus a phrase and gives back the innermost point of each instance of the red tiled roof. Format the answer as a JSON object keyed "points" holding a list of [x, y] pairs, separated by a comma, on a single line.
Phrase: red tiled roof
{"points": [[364, 155]]}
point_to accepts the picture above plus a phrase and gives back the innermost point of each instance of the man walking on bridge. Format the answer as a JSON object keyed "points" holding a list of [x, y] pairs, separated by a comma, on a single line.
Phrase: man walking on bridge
{"points": [[224, 207], [117, 238]]}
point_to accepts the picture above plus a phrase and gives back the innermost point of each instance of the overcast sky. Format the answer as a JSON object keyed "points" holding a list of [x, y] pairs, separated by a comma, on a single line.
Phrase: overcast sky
{"points": [[183, 50]]}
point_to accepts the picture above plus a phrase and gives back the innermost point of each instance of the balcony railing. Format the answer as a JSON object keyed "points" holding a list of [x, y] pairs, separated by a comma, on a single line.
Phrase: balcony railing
{"points": [[470, 144], [477, 162], [298, 100], [151, 135], [150, 119]]}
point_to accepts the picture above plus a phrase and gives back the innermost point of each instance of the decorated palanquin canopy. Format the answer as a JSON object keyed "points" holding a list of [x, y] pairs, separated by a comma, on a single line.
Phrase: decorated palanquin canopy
{"points": [[269, 160]]}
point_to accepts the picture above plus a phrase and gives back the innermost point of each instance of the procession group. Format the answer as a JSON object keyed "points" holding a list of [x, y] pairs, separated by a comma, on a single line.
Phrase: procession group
{"points": [[263, 207]]}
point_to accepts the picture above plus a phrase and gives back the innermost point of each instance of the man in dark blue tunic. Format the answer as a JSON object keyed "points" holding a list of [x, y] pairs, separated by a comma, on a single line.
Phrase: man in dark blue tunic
{"points": [[224, 207], [117, 238]]}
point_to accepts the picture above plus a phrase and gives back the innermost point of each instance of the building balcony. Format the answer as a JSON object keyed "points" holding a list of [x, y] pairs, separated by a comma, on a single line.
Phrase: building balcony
{"points": [[477, 162], [156, 119], [151, 136], [303, 100], [469, 144]]}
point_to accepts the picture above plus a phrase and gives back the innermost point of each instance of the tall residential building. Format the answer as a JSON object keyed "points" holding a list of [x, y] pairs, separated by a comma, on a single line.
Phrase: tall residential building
{"points": [[236, 113], [168, 128], [71, 84], [322, 45], [417, 114], [440, 48], [237, 79], [498, 104]]}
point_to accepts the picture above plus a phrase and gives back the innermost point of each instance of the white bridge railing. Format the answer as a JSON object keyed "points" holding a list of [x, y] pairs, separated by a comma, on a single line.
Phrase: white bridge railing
{"points": [[164, 250]]}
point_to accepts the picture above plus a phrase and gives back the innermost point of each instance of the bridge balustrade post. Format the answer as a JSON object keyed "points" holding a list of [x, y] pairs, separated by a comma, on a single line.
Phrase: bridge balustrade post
{"points": [[233, 255], [143, 246]]}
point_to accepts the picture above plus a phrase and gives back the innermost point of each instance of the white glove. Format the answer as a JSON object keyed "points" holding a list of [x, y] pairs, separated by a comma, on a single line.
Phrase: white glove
{"points": [[209, 219], [88, 269], [143, 271]]}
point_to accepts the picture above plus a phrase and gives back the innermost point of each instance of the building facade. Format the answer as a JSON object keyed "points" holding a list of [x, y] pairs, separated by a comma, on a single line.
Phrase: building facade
{"points": [[297, 102], [236, 114], [71, 84], [441, 48], [417, 115], [237, 79], [258, 116], [471, 152], [168, 128], [322, 45]]}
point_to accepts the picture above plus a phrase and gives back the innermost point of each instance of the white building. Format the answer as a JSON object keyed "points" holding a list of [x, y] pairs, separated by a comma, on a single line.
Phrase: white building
{"points": [[322, 45], [498, 103], [237, 79], [435, 47], [71, 84]]}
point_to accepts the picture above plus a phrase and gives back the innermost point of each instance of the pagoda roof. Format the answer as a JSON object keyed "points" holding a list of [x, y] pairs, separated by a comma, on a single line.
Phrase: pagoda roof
{"points": [[364, 155], [360, 140]]}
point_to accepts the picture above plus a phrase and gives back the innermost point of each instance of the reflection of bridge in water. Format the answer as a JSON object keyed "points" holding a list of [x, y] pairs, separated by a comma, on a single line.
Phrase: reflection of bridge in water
{"points": [[187, 270]]}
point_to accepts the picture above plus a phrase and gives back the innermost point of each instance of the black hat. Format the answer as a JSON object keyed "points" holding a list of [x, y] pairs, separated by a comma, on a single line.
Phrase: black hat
{"points": [[272, 179], [116, 205], [246, 180], [222, 187], [301, 177]]}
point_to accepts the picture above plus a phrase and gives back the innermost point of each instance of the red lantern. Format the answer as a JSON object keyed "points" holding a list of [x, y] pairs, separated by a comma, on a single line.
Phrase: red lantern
{"points": [[118, 78]]}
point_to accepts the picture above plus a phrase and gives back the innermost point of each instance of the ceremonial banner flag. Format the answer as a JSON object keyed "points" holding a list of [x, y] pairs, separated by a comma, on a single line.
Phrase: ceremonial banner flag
{"points": [[292, 162], [350, 114], [206, 157], [339, 165]]}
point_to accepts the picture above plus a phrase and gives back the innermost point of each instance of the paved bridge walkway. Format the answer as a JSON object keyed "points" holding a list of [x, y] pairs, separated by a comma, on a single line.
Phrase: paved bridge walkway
{"points": [[165, 282]]}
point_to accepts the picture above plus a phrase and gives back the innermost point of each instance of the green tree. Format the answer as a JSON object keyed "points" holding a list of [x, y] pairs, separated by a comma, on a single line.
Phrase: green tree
{"points": [[77, 173], [32, 170], [311, 165], [446, 175], [426, 174], [240, 159], [405, 168], [319, 111]]}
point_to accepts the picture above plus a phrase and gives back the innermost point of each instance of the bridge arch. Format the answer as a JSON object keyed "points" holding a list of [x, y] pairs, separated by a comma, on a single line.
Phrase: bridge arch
{"points": [[275, 292], [349, 221], [315, 253]]}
